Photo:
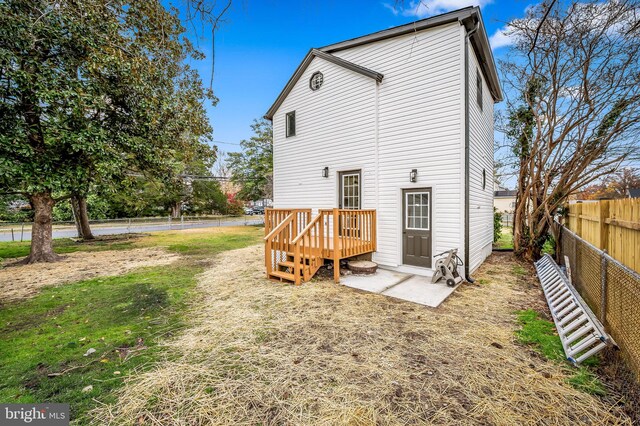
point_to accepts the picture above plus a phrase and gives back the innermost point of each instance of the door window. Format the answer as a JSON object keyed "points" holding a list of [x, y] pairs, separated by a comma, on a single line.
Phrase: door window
{"points": [[417, 210], [350, 190]]}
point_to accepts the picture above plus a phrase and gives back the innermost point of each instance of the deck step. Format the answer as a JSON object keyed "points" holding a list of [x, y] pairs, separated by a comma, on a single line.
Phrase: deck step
{"points": [[283, 275], [290, 264], [306, 256]]}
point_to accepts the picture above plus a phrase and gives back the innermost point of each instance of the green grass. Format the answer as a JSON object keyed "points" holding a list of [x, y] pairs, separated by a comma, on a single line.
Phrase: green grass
{"points": [[541, 335], [190, 242], [506, 239], [128, 314]]}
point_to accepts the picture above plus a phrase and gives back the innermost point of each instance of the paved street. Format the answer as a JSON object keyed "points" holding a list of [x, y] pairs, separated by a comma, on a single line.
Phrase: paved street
{"points": [[67, 231]]}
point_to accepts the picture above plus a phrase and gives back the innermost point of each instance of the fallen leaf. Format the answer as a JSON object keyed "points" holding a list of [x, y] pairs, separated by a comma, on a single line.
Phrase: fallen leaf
{"points": [[117, 373], [87, 389], [89, 352]]}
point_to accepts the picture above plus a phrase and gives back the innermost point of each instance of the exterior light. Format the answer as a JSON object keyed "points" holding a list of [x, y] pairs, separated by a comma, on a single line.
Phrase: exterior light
{"points": [[413, 176], [325, 172]]}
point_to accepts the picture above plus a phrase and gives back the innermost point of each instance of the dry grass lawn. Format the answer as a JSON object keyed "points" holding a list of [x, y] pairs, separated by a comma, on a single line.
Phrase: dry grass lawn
{"points": [[23, 281], [260, 352]]}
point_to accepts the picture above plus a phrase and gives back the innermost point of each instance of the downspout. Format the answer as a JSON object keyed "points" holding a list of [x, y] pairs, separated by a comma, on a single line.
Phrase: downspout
{"points": [[467, 273]]}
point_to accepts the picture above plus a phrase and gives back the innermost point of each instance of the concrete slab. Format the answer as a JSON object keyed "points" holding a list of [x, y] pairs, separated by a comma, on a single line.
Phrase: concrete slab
{"points": [[412, 288], [420, 290], [376, 283]]}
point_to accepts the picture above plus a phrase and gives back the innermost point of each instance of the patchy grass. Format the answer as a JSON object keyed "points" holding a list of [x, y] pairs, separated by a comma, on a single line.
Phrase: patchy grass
{"points": [[124, 318], [541, 334], [506, 239], [191, 242], [261, 353], [519, 270]]}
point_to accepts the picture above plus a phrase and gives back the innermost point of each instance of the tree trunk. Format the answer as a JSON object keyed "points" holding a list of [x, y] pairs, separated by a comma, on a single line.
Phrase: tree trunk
{"points": [[175, 210], [41, 231], [81, 216]]}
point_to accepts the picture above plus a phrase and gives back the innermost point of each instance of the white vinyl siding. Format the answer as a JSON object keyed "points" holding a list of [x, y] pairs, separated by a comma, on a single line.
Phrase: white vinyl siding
{"points": [[420, 127], [335, 129], [413, 119], [481, 159]]}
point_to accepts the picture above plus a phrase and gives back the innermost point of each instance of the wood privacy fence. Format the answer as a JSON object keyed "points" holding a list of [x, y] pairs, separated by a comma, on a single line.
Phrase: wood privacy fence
{"points": [[610, 225]]}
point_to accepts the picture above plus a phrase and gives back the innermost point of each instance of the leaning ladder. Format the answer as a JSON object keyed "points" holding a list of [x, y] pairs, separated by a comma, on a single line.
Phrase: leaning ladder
{"points": [[581, 333]]}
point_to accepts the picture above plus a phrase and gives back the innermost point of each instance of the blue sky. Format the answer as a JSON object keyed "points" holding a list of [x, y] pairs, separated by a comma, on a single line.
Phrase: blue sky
{"points": [[261, 43]]}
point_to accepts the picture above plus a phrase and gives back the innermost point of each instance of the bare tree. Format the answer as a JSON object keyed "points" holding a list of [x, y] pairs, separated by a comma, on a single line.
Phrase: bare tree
{"points": [[573, 83]]}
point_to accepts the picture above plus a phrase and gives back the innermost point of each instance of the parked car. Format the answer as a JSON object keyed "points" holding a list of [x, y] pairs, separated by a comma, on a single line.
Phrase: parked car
{"points": [[258, 210], [248, 211]]}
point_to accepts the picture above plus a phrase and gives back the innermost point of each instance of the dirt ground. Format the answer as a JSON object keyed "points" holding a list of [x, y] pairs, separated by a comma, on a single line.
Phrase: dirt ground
{"points": [[23, 281], [260, 352]]}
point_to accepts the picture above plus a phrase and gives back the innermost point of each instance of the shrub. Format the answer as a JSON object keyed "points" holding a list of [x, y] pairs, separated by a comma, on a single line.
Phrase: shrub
{"points": [[497, 225]]}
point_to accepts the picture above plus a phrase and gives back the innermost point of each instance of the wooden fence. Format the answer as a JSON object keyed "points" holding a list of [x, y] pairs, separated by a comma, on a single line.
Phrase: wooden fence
{"points": [[611, 225]]}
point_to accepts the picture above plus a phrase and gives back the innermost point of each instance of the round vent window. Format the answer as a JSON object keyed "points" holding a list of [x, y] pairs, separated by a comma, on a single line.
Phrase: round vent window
{"points": [[316, 80]]}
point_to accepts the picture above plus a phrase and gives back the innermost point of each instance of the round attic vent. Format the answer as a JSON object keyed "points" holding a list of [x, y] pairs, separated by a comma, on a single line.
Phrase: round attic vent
{"points": [[316, 80]]}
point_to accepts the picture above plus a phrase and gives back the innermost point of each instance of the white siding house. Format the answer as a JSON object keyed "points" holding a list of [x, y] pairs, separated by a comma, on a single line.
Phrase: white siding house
{"points": [[387, 104]]}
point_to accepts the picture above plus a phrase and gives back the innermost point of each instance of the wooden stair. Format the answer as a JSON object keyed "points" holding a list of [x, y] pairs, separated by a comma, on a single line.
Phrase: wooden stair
{"points": [[296, 245]]}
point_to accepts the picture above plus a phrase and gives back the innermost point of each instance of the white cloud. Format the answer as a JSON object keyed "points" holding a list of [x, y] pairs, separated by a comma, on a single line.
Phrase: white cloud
{"points": [[501, 38], [424, 8]]}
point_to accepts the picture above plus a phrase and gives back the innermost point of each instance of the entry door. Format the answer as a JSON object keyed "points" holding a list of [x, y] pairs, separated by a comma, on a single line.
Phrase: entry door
{"points": [[350, 198], [416, 227]]}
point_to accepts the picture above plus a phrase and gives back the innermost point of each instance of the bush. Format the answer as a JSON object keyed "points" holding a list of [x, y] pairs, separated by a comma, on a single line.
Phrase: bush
{"points": [[497, 225]]}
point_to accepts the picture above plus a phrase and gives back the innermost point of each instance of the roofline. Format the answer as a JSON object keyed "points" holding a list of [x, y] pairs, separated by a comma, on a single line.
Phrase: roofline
{"points": [[467, 16], [303, 66], [434, 21]]}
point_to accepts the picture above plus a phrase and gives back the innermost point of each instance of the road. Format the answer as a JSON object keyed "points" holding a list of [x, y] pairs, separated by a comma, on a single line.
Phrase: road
{"points": [[66, 231]]}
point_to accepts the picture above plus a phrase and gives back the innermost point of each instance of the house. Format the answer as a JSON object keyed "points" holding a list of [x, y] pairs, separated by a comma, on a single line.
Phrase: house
{"points": [[383, 145], [504, 200]]}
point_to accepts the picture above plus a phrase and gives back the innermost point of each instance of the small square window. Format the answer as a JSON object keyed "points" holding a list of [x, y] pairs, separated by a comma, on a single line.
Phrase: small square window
{"points": [[479, 88], [291, 123]]}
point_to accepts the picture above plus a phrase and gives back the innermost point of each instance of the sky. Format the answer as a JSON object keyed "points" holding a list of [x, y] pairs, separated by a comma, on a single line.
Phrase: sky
{"points": [[262, 42]]}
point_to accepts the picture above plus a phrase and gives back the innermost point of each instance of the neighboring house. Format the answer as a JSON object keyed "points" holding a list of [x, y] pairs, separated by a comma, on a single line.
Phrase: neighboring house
{"points": [[505, 200], [634, 193], [398, 124]]}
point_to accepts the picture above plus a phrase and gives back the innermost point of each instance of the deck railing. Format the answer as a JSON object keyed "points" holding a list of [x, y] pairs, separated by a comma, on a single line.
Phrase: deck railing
{"points": [[332, 234], [273, 217]]}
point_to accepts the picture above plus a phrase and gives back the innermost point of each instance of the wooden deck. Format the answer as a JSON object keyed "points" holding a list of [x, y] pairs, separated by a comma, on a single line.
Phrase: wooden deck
{"points": [[296, 245]]}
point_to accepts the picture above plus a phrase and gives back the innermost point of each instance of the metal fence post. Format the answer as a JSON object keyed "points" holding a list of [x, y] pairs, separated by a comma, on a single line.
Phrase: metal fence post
{"points": [[603, 289], [22, 232]]}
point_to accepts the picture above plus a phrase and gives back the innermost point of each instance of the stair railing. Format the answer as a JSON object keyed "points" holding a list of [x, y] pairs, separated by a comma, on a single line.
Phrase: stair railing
{"points": [[277, 242], [309, 244]]}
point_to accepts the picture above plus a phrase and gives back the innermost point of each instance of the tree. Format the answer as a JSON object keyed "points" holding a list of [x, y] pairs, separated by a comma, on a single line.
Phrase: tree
{"points": [[616, 185], [252, 168], [573, 79], [90, 94]]}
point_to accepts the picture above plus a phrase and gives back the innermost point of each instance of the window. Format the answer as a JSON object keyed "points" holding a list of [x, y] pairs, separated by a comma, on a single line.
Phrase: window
{"points": [[350, 190], [316, 80], [291, 123], [417, 213], [479, 88]]}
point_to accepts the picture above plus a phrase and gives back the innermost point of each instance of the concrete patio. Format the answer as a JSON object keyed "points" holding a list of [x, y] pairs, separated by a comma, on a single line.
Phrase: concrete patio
{"points": [[409, 287]]}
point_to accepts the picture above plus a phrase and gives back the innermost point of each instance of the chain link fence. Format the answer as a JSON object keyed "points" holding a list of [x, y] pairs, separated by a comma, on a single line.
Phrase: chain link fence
{"points": [[21, 231], [611, 289]]}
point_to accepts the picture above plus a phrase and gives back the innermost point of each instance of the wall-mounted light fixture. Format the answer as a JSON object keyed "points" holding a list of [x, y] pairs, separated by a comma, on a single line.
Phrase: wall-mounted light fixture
{"points": [[325, 172], [413, 176]]}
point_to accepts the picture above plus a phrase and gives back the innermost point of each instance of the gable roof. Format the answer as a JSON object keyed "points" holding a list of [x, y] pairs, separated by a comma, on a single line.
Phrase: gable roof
{"points": [[467, 16], [303, 66]]}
